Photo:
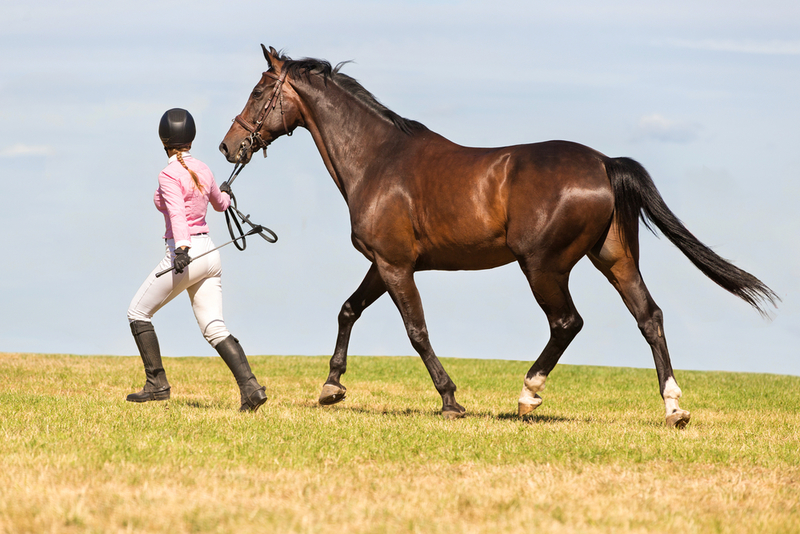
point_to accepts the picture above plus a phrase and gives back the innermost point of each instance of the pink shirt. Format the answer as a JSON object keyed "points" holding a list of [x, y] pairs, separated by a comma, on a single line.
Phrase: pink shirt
{"points": [[183, 205]]}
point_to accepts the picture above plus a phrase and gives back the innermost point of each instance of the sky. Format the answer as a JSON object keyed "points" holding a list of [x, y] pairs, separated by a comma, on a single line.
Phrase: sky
{"points": [[704, 94]]}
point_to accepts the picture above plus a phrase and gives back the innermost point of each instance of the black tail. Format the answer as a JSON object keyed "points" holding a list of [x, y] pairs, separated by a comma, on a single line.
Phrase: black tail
{"points": [[635, 196]]}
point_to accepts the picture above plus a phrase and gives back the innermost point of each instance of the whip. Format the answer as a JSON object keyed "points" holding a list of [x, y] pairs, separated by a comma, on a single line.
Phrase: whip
{"points": [[257, 229]]}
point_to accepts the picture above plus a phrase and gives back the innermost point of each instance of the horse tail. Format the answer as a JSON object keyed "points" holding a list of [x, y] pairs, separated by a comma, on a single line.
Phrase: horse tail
{"points": [[636, 196]]}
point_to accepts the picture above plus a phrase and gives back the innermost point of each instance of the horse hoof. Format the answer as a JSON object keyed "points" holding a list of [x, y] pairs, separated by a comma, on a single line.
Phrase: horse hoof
{"points": [[331, 394], [525, 407], [678, 419], [454, 414]]}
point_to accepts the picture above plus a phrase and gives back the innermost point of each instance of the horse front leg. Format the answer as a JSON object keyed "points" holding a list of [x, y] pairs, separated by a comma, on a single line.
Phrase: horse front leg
{"points": [[371, 288], [400, 284], [552, 293]]}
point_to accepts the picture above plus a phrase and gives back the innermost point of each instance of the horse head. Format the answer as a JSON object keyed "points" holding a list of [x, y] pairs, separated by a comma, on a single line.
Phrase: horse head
{"points": [[272, 110]]}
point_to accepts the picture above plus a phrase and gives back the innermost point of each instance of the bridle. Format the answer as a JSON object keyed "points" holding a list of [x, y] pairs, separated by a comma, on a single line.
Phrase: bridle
{"points": [[254, 140]]}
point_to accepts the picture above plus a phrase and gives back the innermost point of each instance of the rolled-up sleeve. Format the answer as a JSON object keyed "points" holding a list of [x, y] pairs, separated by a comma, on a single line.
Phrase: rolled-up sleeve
{"points": [[219, 200]]}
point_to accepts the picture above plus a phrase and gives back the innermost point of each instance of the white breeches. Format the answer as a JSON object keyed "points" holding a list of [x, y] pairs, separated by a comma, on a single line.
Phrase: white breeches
{"points": [[202, 281]]}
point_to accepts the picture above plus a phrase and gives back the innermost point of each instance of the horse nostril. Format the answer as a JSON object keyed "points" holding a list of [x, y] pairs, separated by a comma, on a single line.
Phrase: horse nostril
{"points": [[223, 148]]}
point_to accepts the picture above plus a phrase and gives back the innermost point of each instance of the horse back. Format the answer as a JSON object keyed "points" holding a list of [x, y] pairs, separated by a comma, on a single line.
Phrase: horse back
{"points": [[449, 207]]}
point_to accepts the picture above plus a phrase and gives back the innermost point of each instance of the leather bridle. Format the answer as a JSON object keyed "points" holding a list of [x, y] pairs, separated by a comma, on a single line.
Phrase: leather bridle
{"points": [[255, 140]]}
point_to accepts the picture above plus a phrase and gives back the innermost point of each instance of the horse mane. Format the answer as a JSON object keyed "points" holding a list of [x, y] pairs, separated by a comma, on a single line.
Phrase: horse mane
{"points": [[309, 66]]}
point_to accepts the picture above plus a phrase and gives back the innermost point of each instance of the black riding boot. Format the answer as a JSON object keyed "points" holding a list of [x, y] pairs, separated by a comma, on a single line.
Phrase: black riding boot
{"points": [[156, 387], [252, 393]]}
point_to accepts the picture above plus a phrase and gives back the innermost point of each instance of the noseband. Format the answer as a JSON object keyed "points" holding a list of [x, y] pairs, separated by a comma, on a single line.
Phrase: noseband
{"points": [[255, 140]]}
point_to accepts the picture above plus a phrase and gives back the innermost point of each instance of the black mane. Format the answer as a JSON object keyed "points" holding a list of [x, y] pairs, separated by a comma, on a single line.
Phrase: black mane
{"points": [[309, 66]]}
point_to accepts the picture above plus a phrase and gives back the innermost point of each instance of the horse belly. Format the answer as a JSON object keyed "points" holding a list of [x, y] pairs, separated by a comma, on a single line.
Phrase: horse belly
{"points": [[471, 257]]}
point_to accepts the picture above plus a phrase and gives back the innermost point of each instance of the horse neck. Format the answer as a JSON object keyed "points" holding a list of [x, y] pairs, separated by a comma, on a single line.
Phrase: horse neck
{"points": [[347, 133]]}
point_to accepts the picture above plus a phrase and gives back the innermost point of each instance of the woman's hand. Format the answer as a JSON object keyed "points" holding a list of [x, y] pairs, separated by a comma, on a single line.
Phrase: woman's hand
{"points": [[182, 259]]}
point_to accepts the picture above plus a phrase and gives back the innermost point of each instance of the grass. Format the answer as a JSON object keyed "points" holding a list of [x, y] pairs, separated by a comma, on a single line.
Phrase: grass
{"points": [[595, 457]]}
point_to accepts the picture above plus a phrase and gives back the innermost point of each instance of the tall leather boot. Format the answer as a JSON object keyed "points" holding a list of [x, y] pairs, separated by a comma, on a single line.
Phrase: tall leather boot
{"points": [[156, 387], [252, 393]]}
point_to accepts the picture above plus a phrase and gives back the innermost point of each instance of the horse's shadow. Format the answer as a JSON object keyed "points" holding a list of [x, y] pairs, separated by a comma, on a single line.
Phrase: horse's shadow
{"points": [[412, 412], [532, 419], [396, 412]]}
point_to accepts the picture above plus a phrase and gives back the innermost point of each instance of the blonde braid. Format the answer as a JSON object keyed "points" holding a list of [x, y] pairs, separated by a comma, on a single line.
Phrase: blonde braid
{"points": [[195, 178]]}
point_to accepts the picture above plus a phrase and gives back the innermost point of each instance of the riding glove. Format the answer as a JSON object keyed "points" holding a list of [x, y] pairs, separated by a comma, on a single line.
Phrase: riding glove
{"points": [[182, 259]]}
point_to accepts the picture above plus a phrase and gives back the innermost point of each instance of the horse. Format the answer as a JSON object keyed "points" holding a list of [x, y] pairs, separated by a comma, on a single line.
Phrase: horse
{"points": [[418, 201]]}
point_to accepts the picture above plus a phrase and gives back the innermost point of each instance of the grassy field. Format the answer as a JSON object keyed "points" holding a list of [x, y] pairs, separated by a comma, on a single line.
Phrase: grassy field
{"points": [[596, 457]]}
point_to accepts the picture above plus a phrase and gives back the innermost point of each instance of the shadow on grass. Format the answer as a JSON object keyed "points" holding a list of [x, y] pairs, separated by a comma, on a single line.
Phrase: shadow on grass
{"points": [[534, 419], [412, 412], [378, 410], [190, 403], [398, 412]]}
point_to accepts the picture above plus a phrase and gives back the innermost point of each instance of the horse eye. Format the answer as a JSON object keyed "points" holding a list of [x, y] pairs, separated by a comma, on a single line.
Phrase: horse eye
{"points": [[257, 94]]}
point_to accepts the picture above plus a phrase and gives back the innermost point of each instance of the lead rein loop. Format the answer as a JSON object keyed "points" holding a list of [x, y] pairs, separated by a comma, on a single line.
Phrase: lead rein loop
{"points": [[233, 213]]}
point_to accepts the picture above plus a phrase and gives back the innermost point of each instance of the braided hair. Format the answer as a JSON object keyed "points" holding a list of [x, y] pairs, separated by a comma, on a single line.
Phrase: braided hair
{"points": [[193, 174]]}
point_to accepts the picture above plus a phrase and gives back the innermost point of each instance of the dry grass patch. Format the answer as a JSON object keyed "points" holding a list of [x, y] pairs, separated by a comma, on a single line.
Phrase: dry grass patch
{"points": [[397, 498], [75, 457]]}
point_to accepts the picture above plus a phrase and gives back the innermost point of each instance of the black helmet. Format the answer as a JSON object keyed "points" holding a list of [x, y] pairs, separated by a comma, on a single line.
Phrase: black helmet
{"points": [[176, 128]]}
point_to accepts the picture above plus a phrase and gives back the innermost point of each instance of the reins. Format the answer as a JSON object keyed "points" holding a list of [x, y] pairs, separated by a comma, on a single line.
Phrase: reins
{"points": [[233, 212]]}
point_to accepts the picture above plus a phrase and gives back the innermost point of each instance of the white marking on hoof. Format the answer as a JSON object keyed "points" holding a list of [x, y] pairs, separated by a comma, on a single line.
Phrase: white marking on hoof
{"points": [[529, 399], [671, 395]]}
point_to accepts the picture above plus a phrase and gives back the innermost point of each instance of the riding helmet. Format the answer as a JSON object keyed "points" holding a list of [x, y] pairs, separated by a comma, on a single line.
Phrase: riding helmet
{"points": [[176, 128]]}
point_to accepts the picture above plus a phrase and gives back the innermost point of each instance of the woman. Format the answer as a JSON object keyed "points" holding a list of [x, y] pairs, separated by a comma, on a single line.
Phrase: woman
{"points": [[185, 188]]}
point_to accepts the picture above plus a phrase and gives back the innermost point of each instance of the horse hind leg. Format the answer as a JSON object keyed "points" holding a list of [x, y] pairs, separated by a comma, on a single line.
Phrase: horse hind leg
{"points": [[371, 288], [619, 263]]}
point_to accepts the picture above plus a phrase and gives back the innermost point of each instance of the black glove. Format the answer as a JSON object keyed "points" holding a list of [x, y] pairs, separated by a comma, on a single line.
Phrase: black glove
{"points": [[226, 188], [182, 259]]}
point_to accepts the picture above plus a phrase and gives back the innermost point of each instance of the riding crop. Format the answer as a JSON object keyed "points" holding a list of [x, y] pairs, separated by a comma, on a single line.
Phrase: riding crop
{"points": [[257, 229]]}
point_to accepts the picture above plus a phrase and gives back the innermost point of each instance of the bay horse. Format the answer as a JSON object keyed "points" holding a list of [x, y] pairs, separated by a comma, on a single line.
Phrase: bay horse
{"points": [[418, 201]]}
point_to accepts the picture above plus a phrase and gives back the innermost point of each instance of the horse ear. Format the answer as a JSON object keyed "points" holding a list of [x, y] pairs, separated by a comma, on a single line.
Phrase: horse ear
{"points": [[273, 58], [266, 54]]}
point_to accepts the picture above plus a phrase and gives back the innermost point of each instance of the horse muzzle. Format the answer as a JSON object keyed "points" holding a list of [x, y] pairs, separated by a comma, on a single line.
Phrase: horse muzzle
{"points": [[239, 154], [244, 153]]}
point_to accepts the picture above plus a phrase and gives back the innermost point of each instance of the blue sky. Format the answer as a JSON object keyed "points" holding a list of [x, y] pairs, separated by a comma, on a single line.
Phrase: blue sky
{"points": [[703, 94]]}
